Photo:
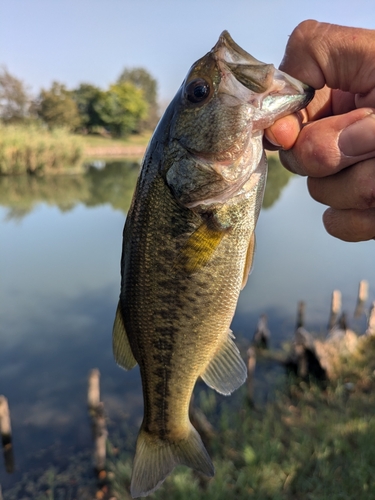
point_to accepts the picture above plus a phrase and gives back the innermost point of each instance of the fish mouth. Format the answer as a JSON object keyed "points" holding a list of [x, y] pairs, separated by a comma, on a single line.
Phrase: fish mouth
{"points": [[271, 92]]}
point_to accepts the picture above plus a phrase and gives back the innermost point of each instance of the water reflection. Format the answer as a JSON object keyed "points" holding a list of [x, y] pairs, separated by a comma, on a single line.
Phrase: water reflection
{"points": [[59, 264], [113, 183]]}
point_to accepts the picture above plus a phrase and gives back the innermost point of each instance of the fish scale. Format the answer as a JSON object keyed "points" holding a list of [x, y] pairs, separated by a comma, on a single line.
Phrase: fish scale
{"points": [[188, 246]]}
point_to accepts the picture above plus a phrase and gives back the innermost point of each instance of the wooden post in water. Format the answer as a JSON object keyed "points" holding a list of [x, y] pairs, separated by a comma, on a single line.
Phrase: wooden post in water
{"points": [[99, 427], [300, 323], [201, 423], [371, 321], [262, 333], [6, 434], [93, 392], [251, 364], [361, 299], [335, 308]]}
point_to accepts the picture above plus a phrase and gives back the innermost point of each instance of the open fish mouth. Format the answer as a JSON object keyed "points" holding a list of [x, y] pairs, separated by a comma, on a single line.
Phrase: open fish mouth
{"points": [[270, 91]]}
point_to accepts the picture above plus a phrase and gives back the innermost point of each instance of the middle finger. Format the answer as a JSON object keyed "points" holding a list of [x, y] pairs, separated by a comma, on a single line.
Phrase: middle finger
{"points": [[352, 187]]}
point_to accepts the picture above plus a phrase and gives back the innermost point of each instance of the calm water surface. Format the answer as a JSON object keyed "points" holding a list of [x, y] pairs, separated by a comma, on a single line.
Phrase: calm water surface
{"points": [[59, 271]]}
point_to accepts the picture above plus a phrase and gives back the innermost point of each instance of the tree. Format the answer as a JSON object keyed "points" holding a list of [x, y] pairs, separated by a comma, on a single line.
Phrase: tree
{"points": [[143, 80], [14, 98], [86, 97], [57, 107], [121, 108]]}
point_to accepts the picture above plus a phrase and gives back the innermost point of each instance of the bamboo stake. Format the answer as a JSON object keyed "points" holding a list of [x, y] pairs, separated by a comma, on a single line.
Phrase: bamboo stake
{"points": [[6, 434], [335, 308]]}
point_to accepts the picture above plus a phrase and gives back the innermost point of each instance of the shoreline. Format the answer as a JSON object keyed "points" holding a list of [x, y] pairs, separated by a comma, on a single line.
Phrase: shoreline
{"points": [[114, 151]]}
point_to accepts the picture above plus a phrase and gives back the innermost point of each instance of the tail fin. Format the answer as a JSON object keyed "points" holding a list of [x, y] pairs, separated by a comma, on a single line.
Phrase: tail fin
{"points": [[155, 459]]}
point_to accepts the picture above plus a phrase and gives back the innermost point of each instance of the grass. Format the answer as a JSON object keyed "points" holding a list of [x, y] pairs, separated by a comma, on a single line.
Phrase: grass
{"points": [[34, 149], [132, 140], [308, 444]]}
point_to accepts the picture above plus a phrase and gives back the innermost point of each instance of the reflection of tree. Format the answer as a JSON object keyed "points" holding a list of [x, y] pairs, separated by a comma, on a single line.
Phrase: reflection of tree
{"points": [[278, 178], [113, 184]]}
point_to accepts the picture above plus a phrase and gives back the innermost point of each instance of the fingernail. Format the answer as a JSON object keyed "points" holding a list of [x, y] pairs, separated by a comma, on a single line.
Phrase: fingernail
{"points": [[358, 138], [271, 139]]}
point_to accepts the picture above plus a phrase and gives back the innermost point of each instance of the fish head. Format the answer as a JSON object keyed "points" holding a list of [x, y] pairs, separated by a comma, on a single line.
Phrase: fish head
{"points": [[217, 120]]}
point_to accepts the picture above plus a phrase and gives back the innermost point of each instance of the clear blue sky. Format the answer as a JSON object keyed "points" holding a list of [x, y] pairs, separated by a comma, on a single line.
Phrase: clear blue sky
{"points": [[75, 41]]}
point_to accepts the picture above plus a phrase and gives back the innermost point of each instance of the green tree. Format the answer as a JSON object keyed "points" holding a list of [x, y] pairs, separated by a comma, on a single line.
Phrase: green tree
{"points": [[57, 107], [143, 80], [15, 100], [86, 97], [122, 108]]}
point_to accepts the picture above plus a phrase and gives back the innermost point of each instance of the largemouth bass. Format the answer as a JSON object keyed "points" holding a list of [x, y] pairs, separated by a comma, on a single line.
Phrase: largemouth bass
{"points": [[188, 245]]}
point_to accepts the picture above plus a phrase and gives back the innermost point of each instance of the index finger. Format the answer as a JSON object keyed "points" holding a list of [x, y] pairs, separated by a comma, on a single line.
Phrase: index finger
{"points": [[337, 56]]}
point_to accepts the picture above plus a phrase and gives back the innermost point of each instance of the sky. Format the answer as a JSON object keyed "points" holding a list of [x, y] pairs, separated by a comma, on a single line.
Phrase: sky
{"points": [[75, 41]]}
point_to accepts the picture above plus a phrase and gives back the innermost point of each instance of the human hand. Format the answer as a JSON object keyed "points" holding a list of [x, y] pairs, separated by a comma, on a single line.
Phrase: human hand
{"points": [[332, 141]]}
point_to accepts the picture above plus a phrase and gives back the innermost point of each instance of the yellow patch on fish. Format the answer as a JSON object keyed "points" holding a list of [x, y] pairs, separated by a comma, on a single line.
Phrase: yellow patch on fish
{"points": [[200, 248]]}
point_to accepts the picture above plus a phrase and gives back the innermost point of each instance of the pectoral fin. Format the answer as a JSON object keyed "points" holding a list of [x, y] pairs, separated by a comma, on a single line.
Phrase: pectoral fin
{"points": [[199, 248], [249, 260], [121, 348], [227, 370]]}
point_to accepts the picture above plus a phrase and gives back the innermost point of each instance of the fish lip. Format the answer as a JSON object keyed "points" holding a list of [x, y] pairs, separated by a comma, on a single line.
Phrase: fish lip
{"points": [[261, 80]]}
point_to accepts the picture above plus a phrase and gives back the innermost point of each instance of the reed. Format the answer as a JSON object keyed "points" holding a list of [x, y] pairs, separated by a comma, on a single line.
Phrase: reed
{"points": [[36, 150]]}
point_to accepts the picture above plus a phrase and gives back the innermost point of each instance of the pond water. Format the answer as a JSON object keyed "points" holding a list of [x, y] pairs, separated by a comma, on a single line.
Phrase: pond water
{"points": [[59, 266]]}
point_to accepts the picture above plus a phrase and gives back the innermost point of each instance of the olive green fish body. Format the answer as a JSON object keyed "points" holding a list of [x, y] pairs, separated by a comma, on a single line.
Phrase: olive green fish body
{"points": [[188, 245], [176, 319]]}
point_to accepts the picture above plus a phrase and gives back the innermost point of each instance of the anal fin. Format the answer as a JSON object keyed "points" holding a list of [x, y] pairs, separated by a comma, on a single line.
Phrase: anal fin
{"points": [[227, 370], [121, 348]]}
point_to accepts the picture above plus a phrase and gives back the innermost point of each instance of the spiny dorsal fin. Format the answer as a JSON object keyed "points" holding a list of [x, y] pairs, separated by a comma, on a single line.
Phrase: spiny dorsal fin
{"points": [[200, 248], [249, 260], [227, 370], [121, 348]]}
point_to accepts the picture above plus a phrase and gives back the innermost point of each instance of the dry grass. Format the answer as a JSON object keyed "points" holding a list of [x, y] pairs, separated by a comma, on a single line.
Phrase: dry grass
{"points": [[33, 149]]}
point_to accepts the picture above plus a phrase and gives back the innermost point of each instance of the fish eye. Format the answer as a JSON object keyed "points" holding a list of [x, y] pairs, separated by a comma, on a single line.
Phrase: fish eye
{"points": [[197, 90]]}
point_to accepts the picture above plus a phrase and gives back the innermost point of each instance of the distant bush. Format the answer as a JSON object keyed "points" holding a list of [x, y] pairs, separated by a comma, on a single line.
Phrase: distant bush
{"points": [[57, 108], [33, 149]]}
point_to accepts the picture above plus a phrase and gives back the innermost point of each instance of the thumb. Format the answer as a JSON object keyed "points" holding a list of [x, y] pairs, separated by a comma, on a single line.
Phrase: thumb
{"points": [[284, 132]]}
